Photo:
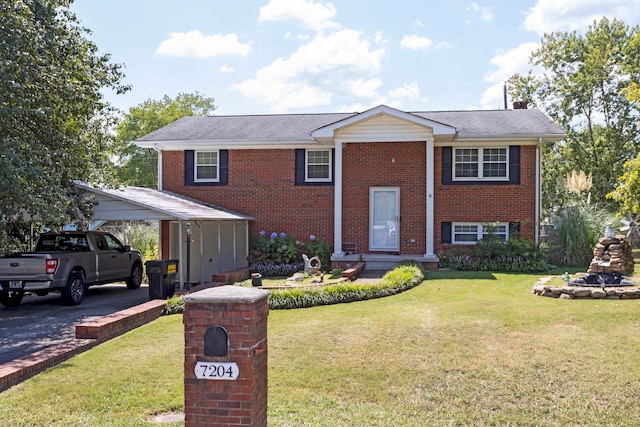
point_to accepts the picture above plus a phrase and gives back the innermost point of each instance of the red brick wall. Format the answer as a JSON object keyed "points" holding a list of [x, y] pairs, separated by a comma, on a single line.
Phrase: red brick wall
{"points": [[368, 165], [487, 203], [262, 185]]}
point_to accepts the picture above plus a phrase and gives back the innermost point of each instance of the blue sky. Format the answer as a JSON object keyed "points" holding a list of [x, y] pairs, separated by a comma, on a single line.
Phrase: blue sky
{"points": [[301, 56]]}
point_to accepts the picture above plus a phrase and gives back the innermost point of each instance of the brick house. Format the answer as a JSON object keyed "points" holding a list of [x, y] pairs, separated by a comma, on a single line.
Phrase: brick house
{"points": [[381, 186]]}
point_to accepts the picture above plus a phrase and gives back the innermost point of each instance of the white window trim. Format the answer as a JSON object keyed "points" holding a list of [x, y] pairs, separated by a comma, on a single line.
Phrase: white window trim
{"points": [[306, 168], [195, 167], [480, 231], [480, 176]]}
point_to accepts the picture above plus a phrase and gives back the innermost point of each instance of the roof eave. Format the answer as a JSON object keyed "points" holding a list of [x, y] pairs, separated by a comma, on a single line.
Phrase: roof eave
{"points": [[182, 144], [513, 137]]}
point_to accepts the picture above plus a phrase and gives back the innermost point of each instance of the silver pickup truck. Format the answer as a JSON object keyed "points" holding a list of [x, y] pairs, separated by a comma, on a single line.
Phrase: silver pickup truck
{"points": [[68, 263]]}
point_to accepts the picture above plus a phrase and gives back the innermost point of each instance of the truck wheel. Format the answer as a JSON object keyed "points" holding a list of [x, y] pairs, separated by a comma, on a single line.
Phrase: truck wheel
{"points": [[134, 281], [11, 298], [74, 292]]}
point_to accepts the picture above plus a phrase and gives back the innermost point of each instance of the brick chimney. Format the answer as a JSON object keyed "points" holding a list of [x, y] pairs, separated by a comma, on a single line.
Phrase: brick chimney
{"points": [[520, 105]]}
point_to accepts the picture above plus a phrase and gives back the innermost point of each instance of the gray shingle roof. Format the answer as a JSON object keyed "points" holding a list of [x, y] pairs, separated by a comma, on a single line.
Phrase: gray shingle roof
{"points": [[298, 127], [478, 123], [278, 127]]}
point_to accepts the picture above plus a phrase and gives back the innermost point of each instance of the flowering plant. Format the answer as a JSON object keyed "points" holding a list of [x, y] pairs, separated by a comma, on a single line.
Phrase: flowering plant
{"points": [[279, 249]]}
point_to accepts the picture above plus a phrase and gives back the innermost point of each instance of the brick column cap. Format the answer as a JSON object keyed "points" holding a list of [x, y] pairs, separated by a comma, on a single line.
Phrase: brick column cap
{"points": [[227, 294]]}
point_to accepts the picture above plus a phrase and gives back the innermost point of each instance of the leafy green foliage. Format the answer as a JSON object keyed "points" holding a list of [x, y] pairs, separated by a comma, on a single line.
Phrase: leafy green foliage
{"points": [[584, 88], [576, 231], [276, 269], [278, 254], [627, 192], [395, 281], [138, 166], [494, 254], [140, 235], [174, 305], [53, 121]]}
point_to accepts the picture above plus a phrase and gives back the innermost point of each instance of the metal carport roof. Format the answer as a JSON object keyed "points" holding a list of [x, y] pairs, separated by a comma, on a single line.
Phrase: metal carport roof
{"points": [[138, 203]]}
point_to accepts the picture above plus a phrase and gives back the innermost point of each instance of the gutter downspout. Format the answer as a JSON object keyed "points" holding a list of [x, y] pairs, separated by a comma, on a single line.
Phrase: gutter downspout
{"points": [[155, 147], [538, 190]]}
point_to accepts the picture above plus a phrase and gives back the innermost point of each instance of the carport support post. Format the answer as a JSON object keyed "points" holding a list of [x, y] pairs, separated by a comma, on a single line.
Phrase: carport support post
{"points": [[225, 357]]}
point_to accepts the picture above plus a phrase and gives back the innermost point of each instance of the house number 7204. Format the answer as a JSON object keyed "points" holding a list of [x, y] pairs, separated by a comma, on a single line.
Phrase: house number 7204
{"points": [[217, 370]]}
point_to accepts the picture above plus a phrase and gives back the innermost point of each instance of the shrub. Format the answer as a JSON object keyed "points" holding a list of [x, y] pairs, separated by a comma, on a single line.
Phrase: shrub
{"points": [[393, 282], [278, 254], [271, 269], [494, 254], [576, 231], [275, 248], [174, 305]]}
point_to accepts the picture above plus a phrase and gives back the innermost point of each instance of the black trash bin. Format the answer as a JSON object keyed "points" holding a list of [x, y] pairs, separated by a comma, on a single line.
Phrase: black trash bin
{"points": [[161, 274]]}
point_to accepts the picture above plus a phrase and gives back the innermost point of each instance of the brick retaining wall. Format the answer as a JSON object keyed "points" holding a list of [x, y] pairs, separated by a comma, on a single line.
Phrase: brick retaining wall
{"points": [[88, 335]]}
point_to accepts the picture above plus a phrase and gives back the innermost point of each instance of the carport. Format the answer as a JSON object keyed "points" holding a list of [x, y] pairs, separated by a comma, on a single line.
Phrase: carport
{"points": [[220, 237]]}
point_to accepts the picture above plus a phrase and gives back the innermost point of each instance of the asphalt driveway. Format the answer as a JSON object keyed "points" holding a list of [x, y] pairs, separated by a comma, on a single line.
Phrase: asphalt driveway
{"points": [[41, 322]]}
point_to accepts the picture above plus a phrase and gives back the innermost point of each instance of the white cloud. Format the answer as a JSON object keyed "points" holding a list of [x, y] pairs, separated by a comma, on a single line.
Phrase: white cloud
{"points": [[358, 107], [508, 63], [366, 89], [565, 15], [305, 13], [485, 13], [226, 69], [197, 45], [407, 90], [311, 75], [414, 42], [493, 97], [511, 61]]}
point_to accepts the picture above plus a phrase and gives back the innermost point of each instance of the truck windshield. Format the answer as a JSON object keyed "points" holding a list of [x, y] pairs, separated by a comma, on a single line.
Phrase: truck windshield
{"points": [[62, 242]]}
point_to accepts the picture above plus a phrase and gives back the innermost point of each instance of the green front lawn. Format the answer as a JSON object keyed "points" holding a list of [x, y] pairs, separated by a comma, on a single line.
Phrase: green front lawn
{"points": [[473, 349]]}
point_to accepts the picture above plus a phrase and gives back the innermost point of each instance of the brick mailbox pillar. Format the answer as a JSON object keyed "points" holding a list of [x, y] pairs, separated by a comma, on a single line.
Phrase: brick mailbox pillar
{"points": [[225, 357]]}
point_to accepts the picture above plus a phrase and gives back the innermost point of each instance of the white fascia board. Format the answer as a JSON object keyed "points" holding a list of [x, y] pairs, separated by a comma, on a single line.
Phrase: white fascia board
{"points": [[180, 145], [327, 132], [488, 139]]}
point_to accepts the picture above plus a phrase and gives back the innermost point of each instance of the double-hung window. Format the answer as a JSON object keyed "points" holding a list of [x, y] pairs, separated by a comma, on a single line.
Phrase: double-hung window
{"points": [[318, 166], [207, 166], [468, 233], [481, 163]]}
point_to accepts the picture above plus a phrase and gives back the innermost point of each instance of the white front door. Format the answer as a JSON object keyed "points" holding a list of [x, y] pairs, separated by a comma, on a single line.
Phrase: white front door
{"points": [[384, 219]]}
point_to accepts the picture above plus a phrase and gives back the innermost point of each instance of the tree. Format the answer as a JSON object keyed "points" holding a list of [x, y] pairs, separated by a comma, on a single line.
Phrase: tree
{"points": [[584, 89], [138, 166], [633, 93], [53, 120], [627, 192]]}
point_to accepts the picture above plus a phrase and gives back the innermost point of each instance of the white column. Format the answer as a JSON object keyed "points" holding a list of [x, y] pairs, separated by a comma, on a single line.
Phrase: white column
{"points": [[180, 258], [429, 208], [337, 203]]}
